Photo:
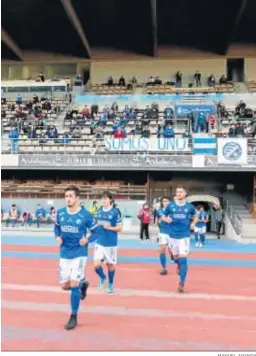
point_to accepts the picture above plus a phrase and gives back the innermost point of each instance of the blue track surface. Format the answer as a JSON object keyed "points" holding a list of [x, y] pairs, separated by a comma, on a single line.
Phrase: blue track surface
{"points": [[211, 246]]}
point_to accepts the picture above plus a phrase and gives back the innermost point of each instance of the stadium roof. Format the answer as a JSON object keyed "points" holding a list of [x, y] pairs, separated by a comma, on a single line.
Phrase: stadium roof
{"points": [[78, 27]]}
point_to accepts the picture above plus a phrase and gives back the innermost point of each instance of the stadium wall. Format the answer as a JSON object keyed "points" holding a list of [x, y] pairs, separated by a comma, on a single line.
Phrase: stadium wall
{"points": [[165, 69], [250, 68], [230, 231]]}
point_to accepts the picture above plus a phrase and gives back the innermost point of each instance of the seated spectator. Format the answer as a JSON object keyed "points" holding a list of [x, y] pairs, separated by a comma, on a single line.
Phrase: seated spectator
{"points": [[19, 100], [151, 81], [232, 131], [155, 106], [137, 131], [94, 109], [211, 81], [41, 77], [169, 132], [146, 132], [40, 124], [126, 110], [93, 126], [47, 105], [223, 79], [14, 216], [120, 133], [110, 81], [114, 107], [197, 77], [240, 130], [26, 218], [158, 81], [40, 215], [35, 99], [103, 119], [121, 82], [134, 80], [65, 139], [133, 114], [32, 132], [52, 132], [186, 134], [86, 111], [116, 125], [168, 112]]}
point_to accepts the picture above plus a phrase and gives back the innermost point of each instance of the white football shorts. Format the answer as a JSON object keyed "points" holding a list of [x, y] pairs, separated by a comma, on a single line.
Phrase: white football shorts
{"points": [[163, 239], [106, 253], [71, 269], [200, 230], [179, 246]]}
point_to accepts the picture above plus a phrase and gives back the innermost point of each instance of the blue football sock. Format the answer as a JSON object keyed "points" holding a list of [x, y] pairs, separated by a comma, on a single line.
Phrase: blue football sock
{"points": [[163, 260], [183, 263], [75, 299], [111, 275], [38, 223], [82, 281], [202, 238], [100, 273], [196, 236]]}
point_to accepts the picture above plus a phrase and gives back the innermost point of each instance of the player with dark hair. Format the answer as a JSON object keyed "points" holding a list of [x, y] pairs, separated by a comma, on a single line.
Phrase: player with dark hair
{"points": [[163, 236], [179, 214], [107, 240], [71, 226]]}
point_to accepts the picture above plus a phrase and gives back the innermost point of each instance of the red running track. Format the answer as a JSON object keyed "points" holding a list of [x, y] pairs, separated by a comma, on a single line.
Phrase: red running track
{"points": [[218, 312]]}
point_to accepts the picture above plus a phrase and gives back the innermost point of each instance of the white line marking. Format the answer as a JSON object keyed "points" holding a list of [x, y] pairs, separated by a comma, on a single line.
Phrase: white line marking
{"points": [[133, 292], [137, 312]]}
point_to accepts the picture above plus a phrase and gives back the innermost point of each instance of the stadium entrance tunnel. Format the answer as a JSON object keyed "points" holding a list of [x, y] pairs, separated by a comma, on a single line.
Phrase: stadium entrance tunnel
{"points": [[208, 201]]}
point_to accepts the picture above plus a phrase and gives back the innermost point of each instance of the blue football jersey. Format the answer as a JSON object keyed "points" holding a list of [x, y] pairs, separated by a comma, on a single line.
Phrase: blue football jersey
{"points": [[163, 226], [107, 217], [201, 215], [181, 218], [72, 228]]}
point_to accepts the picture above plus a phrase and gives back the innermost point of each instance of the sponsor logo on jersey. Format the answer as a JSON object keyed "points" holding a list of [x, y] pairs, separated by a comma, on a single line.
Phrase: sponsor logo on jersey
{"points": [[71, 229]]}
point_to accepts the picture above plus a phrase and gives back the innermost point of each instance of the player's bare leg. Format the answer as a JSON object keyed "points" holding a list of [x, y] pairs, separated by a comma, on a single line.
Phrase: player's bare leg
{"points": [[111, 275], [162, 255], [99, 270]]}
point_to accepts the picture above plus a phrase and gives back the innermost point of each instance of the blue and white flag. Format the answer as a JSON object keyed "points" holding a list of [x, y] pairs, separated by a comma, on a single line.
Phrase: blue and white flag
{"points": [[205, 146]]}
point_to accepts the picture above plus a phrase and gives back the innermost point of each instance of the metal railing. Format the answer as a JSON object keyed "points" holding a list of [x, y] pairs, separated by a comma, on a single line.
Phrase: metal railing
{"points": [[234, 217]]}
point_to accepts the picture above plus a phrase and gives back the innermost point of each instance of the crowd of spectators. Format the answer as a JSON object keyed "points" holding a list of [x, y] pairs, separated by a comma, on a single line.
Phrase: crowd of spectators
{"points": [[178, 81]]}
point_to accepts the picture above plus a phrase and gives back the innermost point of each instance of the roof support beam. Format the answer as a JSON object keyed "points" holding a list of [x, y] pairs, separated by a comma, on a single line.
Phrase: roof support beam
{"points": [[154, 26], [68, 7], [11, 44]]}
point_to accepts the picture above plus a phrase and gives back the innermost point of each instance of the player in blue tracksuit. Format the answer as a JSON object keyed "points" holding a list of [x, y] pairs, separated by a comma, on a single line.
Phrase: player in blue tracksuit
{"points": [[163, 235], [71, 227], [200, 226], [109, 221], [179, 214]]}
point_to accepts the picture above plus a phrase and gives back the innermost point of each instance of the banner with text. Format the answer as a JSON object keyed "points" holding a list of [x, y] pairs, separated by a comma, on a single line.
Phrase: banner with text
{"points": [[232, 151], [178, 144]]}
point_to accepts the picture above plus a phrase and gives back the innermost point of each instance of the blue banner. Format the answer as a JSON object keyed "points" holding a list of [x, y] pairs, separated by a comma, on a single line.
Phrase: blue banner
{"points": [[205, 146], [183, 110]]}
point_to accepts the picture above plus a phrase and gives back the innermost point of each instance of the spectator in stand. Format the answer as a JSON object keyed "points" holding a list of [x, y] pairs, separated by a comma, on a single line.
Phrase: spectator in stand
{"points": [[52, 132], [191, 118], [158, 81], [14, 216], [86, 111], [232, 131], [103, 119], [145, 217], [197, 77], [19, 100], [41, 77], [223, 79], [211, 81], [146, 132], [221, 110], [169, 132], [134, 80], [114, 107], [14, 137], [40, 215], [160, 130], [120, 133], [65, 139], [35, 99], [32, 133], [93, 209], [211, 121], [240, 130], [151, 81], [110, 82], [76, 134], [47, 106], [168, 112], [178, 79], [186, 134], [126, 110], [133, 114], [93, 126], [121, 82], [201, 122], [94, 109], [26, 218], [52, 215]]}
